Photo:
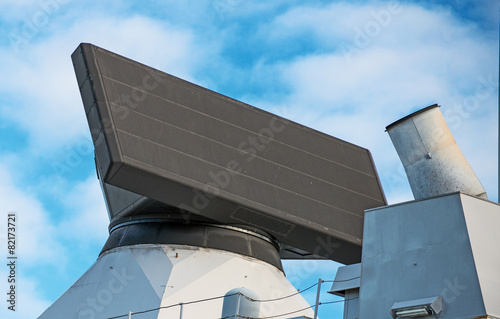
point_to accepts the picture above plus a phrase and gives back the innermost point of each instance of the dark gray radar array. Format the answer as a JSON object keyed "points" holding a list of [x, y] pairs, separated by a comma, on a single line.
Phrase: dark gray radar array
{"points": [[167, 148]]}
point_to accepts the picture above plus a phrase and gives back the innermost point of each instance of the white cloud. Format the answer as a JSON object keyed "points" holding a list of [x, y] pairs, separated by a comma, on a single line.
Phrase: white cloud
{"points": [[49, 240], [477, 137], [17, 9], [29, 300], [420, 57], [86, 220], [420, 67], [37, 242], [41, 81], [325, 23], [40, 88]]}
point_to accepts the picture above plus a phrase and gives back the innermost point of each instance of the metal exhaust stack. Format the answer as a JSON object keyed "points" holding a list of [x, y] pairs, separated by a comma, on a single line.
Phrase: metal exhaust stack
{"points": [[432, 160]]}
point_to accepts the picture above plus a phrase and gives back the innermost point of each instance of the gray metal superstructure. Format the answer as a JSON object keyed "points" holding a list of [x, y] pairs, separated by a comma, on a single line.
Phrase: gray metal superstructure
{"points": [[437, 256], [444, 246]]}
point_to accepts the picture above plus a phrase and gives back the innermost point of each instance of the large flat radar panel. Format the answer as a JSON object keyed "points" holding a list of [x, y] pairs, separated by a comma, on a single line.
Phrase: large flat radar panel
{"points": [[160, 139]]}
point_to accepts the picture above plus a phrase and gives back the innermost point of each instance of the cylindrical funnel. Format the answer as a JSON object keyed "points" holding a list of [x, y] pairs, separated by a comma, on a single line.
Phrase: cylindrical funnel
{"points": [[432, 160]]}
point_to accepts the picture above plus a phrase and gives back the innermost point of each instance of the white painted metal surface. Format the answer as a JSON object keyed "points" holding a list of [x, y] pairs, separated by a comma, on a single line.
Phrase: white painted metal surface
{"points": [[144, 277], [483, 222], [432, 160]]}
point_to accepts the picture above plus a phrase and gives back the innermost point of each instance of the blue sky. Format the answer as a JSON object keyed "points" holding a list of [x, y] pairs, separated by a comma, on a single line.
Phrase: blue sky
{"points": [[347, 68]]}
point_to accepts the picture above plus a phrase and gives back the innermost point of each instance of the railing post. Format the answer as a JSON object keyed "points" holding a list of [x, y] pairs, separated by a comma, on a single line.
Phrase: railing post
{"points": [[317, 299]]}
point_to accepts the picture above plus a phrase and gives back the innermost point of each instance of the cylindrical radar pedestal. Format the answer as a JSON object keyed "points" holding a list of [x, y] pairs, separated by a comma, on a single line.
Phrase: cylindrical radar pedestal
{"points": [[243, 241], [160, 269], [432, 160]]}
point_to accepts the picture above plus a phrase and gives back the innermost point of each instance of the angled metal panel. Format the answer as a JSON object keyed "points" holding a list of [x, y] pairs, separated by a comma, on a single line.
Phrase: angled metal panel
{"points": [[347, 277], [209, 155]]}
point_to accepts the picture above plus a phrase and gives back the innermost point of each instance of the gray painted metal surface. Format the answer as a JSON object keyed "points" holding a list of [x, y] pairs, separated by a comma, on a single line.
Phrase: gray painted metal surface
{"points": [[432, 160], [347, 277], [444, 246], [346, 284], [351, 304], [161, 139]]}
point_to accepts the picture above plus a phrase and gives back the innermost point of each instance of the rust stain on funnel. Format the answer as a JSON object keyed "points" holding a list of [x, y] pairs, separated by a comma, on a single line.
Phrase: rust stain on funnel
{"points": [[432, 160]]}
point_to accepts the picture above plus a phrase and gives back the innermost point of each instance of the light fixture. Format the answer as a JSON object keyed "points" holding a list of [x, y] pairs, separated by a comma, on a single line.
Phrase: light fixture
{"points": [[417, 308], [413, 313]]}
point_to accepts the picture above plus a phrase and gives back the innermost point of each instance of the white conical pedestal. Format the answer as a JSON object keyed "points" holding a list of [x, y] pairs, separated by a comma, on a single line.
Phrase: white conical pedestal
{"points": [[152, 281]]}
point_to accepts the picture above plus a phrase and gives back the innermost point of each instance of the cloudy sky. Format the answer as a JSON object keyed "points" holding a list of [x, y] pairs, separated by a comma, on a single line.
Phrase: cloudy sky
{"points": [[347, 68]]}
